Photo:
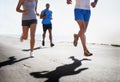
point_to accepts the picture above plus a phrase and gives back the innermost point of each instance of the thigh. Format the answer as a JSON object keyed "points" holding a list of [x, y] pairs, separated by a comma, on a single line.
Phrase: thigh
{"points": [[81, 24], [32, 29], [50, 26], [25, 30], [50, 31], [85, 25]]}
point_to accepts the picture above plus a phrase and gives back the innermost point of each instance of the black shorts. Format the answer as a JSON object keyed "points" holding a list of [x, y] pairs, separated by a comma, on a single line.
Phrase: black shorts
{"points": [[47, 26], [29, 22]]}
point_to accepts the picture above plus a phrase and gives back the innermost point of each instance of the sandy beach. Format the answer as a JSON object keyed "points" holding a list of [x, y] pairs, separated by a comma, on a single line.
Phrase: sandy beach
{"points": [[61, 63]]}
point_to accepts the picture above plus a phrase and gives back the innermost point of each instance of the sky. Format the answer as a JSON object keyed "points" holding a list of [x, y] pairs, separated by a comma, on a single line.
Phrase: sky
{"points": [[104, 25]]}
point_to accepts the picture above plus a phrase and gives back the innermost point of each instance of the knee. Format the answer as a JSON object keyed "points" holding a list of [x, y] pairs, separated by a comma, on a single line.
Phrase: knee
{"points": [[50, 34], [43, 34], [81, 33], [32, 36], [25, 37]]}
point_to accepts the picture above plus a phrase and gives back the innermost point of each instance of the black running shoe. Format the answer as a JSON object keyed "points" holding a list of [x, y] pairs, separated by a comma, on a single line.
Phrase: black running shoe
{"points": [[43, 43], [52, 45]]}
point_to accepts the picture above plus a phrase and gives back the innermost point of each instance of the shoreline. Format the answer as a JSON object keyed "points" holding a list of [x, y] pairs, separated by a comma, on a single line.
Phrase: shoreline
{"points": [[107, 44]]}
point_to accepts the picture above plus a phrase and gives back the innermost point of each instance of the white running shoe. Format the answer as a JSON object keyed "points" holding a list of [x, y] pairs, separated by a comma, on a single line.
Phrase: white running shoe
{"points": [[31, 55]]}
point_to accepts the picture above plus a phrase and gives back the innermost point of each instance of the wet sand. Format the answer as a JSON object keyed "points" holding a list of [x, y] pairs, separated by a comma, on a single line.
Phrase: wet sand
{"points": [[61, 63]]}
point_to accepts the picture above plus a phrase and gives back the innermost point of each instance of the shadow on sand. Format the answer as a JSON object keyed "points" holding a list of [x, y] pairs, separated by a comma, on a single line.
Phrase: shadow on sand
{"points": [[65, 70], [26, 50], [33, 49], [11, 60]]}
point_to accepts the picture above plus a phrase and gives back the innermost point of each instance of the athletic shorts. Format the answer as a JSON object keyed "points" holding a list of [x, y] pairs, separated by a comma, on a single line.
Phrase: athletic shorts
{"points": [[47, 26], [81, 14], [29, 22]]}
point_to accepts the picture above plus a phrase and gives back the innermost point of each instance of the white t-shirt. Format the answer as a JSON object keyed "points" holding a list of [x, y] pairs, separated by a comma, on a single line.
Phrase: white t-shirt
{"points": [[83, 4]]}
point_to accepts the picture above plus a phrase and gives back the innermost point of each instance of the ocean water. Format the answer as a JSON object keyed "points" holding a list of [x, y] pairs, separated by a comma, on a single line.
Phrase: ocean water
{"points": [[59, 38]]}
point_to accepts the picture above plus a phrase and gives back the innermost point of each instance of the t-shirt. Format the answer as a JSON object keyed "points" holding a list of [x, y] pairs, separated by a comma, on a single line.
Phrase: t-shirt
{"points": [[30, 6], [83, 4], [47, 20]]}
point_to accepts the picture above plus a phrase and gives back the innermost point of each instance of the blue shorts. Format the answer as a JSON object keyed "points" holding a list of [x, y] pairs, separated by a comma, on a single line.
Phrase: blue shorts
{"points": [[81, 14], [29, 22]]}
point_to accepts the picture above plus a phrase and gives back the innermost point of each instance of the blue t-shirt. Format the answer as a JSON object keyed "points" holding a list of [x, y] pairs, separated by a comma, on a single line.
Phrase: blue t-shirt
{"points": [[47, 20]]}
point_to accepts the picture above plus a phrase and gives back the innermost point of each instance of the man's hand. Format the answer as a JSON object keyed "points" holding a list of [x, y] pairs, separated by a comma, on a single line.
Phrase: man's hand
{"points": [[93, 4], [69, 1]]}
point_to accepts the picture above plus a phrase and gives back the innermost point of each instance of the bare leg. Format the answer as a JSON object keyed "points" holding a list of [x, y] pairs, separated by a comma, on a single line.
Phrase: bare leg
{"points": [[81, 34], [50, 37], [24, 35], [43, 36], [32, 36], [83, 27]]}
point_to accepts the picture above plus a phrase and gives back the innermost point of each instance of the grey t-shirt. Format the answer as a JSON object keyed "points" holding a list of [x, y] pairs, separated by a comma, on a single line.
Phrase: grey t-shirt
{"points": [[30, 6]]}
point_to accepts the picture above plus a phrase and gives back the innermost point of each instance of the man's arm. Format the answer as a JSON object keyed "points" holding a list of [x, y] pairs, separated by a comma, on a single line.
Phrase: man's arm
{"points": [[42, 15], [93, 4], [69, 1], [96, 1]]}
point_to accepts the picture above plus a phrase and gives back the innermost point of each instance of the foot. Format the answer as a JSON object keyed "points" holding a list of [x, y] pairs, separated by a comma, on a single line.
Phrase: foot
{"points": [[87, 53], [43, 43], [31, 55], [75, 42], [21, 39], [52, 45]]}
